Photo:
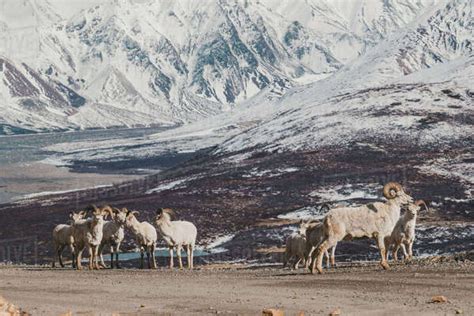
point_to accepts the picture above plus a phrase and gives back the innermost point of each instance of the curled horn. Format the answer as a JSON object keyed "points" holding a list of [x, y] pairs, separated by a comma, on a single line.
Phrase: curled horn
{"points": [[83, 213], [108, 210], [159, 211], [168, 211], [420, 203], [135, 213], [389, 188]]}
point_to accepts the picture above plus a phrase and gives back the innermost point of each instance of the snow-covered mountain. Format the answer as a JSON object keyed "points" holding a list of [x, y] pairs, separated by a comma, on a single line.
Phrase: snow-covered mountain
{"points": [[414, 86], [136, 62]]}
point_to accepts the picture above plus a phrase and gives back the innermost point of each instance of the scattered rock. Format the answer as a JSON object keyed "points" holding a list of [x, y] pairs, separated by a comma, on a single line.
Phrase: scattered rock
{"points": [[439, 299], [459, 311], [272, 312], [7, 308], [336, 312], [142, 305]]}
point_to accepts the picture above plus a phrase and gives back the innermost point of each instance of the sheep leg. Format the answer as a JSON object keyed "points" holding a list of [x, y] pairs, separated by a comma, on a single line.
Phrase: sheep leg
{"points": [[188, 252], [326, 254], [79, 257], [404, 250], [117, 251], [111, 259], [191, 258], [410, 249], [383, 254], [142, 258], [395, 252], [60, 255], [90, 258], [297, 263], [179, 249], [333, 257], [317, 259], [153, 260], [148, 259], [101, 249], [96, 257], [308, 257], [171, 257], [71, 247], [387, 247]]}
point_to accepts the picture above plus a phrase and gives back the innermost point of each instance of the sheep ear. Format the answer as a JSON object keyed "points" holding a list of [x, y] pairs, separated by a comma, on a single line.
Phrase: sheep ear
{"points": [[135, 213]]}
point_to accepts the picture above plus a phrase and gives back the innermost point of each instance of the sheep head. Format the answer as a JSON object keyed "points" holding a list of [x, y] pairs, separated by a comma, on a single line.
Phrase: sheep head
{"points": [[164, 213], [120, 215], [130, 214], [77, 216], [394, 190], [106, 211]]}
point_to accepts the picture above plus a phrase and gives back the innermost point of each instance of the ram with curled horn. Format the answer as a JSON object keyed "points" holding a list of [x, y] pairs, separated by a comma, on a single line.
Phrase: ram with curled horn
{"points": [[145, 237], [89, 233], [363, 221], [114, 233]]}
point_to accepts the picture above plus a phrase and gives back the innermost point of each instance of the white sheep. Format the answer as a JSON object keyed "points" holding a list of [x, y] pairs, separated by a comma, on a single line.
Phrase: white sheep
{"points": [[295, 250], [177, 234], [88, 232], [403, 235], [314, 236], [375, 220], [63, 237], [113, 236], [145, 237]]}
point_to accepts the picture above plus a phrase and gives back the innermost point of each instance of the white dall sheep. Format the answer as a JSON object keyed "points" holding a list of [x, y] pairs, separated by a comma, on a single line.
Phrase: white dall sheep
{"points": [[88, 233], [63, 237], [314, 233], [145, 237], [114, 234], [177, 234], [403, 235], [375, 220], [295, 250]]}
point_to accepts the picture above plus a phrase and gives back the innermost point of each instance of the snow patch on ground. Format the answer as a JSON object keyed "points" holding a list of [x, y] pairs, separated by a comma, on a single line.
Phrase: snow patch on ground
{"points": [[346, 192], [215, 246], [171, 185], [268, 173], [305, 213]]}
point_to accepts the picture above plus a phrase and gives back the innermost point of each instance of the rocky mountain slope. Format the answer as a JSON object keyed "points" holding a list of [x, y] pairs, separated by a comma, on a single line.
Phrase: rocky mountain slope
{"points": [[135, 62]]}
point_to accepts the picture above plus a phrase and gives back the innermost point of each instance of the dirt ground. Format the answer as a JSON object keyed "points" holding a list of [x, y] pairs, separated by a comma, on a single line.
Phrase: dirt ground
{"points": [[240, 290]]}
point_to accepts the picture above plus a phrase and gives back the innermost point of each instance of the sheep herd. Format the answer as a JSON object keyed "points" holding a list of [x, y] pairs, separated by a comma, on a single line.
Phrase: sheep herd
{"points": [[380, 221], [90, 229]]}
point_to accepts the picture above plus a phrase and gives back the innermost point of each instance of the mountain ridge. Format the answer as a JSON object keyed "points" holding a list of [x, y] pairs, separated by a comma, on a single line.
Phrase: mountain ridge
{"points": [[169, 63]]}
